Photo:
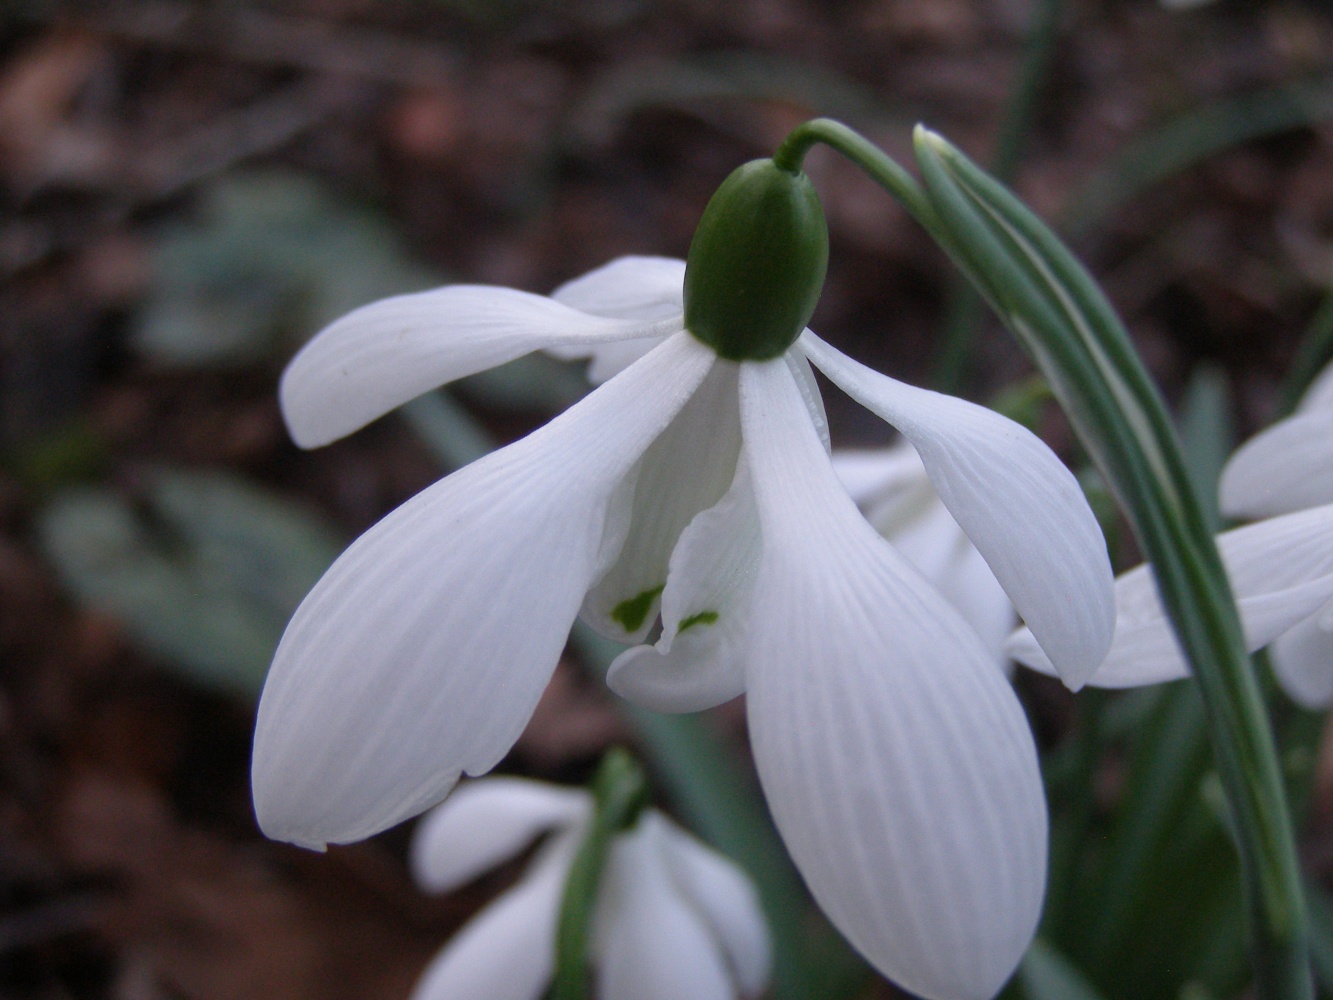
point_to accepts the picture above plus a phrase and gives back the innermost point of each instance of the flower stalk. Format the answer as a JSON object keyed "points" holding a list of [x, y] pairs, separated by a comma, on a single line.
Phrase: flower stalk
{"points": [[620, 793]]}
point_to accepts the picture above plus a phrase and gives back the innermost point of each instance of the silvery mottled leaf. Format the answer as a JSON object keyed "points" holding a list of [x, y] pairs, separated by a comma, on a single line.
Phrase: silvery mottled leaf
{"points": [[204, 572], [270, 254]]}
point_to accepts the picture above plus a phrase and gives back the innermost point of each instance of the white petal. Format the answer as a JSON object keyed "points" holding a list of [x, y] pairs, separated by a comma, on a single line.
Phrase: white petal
{"points": [[483, 823], [423, 650], [639, 288], [1281, 571], [1319, 396], [687, 469], [809, 386], [507, 951], [1285, 468], [891, 488], [879, 477], [1020, 506], [708, 586], [896, 759], [648, 288], [727, 899], [1303, 664], [651, 944], [937, 547], [381, 355]]}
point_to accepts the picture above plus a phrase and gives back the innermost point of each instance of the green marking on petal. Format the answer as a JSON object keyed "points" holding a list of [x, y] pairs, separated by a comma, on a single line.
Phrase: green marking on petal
{"points": [[631, 613], [702, 618]]}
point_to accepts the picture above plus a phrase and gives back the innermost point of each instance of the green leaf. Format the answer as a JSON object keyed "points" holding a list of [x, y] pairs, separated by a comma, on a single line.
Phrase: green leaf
{"points": [[204, 571], [1055, 309], [1192, 137], [1048, 975], [1207, 434], [271, 253]]}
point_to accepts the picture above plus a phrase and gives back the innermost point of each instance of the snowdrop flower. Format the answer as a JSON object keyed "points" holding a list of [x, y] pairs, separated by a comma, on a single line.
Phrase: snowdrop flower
{"points": [[695, 487], [1287, 467], [1281, 572], [673, 919], [893, 490]]}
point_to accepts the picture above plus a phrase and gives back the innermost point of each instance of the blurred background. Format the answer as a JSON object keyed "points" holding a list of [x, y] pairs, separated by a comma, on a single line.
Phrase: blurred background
{"points": [[189, 190]]}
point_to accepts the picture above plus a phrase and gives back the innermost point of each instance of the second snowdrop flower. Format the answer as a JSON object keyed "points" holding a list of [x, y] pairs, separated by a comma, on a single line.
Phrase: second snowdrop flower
{"points": [[673, 921], [1281, 571]]}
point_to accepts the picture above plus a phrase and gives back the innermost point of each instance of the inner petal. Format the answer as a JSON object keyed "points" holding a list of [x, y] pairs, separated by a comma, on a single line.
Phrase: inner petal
{"points": [[686, 470], [698, 663]]}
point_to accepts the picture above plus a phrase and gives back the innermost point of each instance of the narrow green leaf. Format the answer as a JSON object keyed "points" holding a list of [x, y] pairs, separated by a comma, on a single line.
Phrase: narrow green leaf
{"points": [[1194, 136], [1321, 933], [1055, 309], [1048, 975], [1207, 435]]}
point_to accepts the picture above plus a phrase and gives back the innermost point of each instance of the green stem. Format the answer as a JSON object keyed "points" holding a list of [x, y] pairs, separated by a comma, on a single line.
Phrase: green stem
{"points": [[866, 155], [1312, 353], [620, 794]]}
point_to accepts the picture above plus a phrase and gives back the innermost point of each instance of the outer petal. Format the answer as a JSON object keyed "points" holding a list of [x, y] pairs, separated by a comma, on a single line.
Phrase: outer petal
{"points": [[423, 650], [937, 547], [686, 470], [631, 287], [727, 899], [651, 943], [891, 488], [896, 759], [1019, 505], [1281, 572], [814, 402], [1285, 468], [708, 587], [883, 481], [381, 355], [639, 288], [507, 951], [1303, 663], [486, 822]]}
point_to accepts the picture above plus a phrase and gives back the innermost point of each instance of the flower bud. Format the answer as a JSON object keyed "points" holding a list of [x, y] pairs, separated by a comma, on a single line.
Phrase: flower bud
{"points": [[757, 262]]}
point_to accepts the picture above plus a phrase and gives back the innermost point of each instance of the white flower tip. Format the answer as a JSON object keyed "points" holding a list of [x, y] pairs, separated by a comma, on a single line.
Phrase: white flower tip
{"points": [[920, 133], [303, 427], [276, 827]]}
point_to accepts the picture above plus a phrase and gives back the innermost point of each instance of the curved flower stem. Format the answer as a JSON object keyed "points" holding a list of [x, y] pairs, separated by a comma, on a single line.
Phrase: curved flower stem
{"points": [[1057, 312], [620, 793], [866, 155]]}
